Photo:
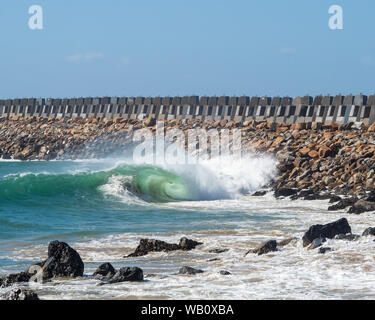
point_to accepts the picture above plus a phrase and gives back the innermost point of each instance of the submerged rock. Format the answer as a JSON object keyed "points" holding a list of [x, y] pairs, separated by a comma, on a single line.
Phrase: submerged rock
{"points": [[11, 279], [329, 231], [105, 270], [151, 245], [324, 250], [21, 294], [188, 244], [264, 248], [318, 242], [189, 270], [369, 232], [218, 251], [127, 274], [225, 273], [259, 193], [348, 237]]}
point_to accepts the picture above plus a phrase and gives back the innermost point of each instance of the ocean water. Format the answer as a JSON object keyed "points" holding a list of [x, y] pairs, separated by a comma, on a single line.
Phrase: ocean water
{"points": [[103, 207]]}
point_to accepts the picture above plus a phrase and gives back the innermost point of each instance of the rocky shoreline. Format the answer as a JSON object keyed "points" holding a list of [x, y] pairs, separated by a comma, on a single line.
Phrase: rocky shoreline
{"points": [[64, 263], [315, 161]]}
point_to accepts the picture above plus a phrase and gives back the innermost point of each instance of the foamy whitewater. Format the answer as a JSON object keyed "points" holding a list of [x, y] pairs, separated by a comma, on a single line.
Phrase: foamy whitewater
{"points": [[102, 208]]}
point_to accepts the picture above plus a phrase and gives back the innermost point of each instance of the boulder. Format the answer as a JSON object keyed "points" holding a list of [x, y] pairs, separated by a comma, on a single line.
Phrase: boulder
{"points": [[188, 244], [105, 270], [264, 248], [369, 232], [127, 274], [342, 204], [63, 261], [21, 294], [189, 270], [285, 192], [362, 206], [329, 231], [151, 245]]}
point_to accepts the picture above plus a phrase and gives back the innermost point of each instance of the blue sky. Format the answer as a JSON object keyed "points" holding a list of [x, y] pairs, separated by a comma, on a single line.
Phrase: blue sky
{"points": [[186, 47]]}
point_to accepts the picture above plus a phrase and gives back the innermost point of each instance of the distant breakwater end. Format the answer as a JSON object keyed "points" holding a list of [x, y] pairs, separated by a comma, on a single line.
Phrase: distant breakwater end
{"points": [[325, 109], [333, 158]]}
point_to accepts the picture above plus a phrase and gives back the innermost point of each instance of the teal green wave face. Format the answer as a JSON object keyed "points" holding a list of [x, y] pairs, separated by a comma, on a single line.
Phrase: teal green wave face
{"points": [[161, 185], [149, 183]]}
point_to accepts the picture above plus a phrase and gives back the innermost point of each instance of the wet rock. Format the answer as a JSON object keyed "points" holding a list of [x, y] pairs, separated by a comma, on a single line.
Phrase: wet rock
{"points": [[324, 250], [213, 260], [285, 192], [151, 245], [218, 251], [343, 204], [12, 279], [127, 274], [189, 271], [347, 237], [369, 232], [259, 193], [63, 261], [318, 242], [362, 206], [329, 231], [334, 198], [105, 270], [21, 295], [225, 273], [264, 248], [188, 244]]}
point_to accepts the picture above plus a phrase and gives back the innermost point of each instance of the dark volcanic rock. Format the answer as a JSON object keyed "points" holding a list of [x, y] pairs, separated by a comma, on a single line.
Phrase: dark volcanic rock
{"points": [[369, 232], [285, 192], [127, 274], [269, 246], [188, 244], [225, 273], [151, 245], [21, 294], [329, 231], [218, 251], [105, 270], [342, 204], [259, 193], [14, 278], [362, 206], [324, 250], [63, 261], [348, 237], [334, 199], [189, 270]]}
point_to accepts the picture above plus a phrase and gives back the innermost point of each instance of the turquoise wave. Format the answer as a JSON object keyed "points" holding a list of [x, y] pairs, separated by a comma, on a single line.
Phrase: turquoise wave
{"points": [[149, 183]]}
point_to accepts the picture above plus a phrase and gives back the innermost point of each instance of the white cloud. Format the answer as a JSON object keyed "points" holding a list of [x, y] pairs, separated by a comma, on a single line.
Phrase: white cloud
{"points": [[288, 50], [84, 57]]}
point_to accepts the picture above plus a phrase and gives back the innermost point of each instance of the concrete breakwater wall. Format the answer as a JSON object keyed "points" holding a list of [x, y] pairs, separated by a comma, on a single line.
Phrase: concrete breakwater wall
{"points": [[325, 109]]}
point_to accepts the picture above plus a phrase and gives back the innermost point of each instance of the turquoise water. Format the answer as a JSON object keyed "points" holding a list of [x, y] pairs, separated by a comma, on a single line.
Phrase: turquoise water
{"points": [[79, 200]]}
